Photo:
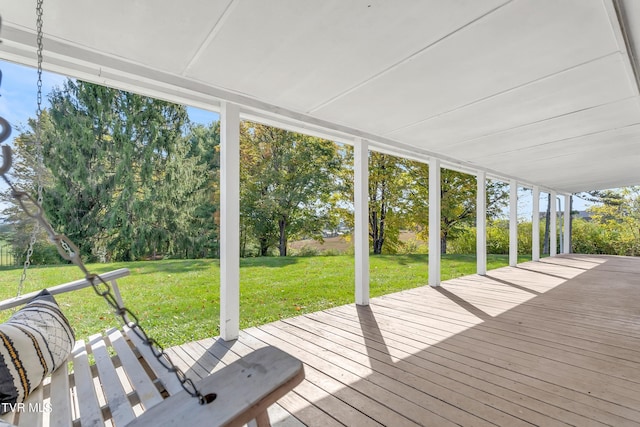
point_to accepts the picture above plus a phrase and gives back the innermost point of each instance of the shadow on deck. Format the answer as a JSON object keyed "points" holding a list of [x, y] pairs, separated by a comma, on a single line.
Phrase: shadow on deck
{"points": [[555, 342]]}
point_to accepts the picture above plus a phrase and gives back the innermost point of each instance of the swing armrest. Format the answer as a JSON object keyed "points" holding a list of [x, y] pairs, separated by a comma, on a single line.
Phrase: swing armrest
{"points": [[110, 276], [244, 389]]}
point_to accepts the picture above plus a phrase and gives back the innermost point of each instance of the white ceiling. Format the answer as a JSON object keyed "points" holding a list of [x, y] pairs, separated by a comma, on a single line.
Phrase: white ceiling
{"points": [[543, 91]]}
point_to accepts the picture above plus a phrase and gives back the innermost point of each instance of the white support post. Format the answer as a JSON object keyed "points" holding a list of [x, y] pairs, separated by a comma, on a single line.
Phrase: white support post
{"points": [[481, 224], [229, 221], [535, 225], [567, 224], [361, 231], [434, 222], [513, 223], [553, 226]]}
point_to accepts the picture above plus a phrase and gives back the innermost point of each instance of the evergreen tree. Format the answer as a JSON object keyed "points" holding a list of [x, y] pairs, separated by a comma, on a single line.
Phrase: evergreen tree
{"points": [[18, 225], [203, 236], [124, 180]]}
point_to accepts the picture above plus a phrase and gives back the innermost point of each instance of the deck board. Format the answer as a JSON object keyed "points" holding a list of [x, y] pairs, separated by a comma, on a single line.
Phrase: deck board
{"points": [[549, 343]]}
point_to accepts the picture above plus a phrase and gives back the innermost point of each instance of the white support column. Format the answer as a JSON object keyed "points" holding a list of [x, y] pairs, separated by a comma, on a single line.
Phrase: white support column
{"points": [[361, 231], [481, 224], [567, 225], [229, 221], [553, 226], [535, 225], [513, 223], [434, 221]]}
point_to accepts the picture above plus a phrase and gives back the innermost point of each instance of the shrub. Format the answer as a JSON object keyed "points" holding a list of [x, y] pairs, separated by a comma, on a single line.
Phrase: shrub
{"points": [[592, 238], [44, 253], [497, 239], [465, 243], [331, 252], [413, 246], [305, 250]]}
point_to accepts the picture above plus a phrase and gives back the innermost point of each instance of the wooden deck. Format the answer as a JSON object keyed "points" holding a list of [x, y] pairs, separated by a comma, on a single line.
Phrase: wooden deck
{"points": [[550, 343]]}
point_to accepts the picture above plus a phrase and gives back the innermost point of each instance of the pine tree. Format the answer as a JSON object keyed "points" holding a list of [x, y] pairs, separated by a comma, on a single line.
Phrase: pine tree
{"points": [[18, 225], [124, 180]]}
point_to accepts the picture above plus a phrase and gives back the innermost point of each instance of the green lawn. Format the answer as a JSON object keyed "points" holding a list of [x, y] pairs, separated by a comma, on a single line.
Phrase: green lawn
{"points": [[177, 300]]}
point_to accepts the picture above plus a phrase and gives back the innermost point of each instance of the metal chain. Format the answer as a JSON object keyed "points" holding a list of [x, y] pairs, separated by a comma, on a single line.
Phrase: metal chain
{"points": [[39, 35], [38, 145], [69, 251], [39, 154]]}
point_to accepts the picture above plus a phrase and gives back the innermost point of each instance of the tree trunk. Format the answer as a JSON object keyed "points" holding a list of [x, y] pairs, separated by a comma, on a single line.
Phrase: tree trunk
{"points": [[443, 244], [264, 248], [377, 234], [377, 246], [243, 243], [282, 224], [547, 224], [569, 249], [381, 230]]}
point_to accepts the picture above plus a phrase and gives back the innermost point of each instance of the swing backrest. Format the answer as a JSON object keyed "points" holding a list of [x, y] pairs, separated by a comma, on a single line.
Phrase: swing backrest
{"points": [[110, 277], [26, 359]]}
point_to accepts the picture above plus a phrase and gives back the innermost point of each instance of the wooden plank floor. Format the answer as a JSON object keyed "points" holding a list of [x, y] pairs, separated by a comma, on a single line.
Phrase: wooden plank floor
{"points": [[550, 343]]}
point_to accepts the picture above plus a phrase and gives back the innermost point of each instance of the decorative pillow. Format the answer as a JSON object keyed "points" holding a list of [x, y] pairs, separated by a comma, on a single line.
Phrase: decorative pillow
{"points": [[34, 342]]}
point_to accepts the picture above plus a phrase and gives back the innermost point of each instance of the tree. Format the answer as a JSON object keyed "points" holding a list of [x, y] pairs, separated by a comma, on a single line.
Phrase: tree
{"points": [[386, 201], [606, 197], [18, 225], [286, 183], [205, 146], [457, 200], [619, 220], [124, 182], [547, 227]]}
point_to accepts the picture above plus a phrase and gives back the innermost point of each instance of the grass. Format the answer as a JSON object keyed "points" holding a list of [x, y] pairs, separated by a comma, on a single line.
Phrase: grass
{"points": [[6, 254], [177, 301]]}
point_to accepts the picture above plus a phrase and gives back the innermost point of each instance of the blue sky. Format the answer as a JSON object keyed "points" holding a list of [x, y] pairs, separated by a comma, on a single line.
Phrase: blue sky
{"points": [[18, 98], [18, 95]]}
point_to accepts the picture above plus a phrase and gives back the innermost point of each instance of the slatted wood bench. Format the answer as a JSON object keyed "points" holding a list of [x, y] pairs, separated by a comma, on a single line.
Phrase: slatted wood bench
{"points": [[127, 385]]}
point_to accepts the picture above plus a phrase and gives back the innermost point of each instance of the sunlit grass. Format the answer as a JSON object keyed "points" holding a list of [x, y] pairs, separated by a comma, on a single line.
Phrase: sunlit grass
{"points": [[178, 300]]}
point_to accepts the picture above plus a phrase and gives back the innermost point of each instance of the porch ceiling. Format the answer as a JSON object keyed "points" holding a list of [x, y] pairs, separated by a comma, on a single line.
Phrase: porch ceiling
{"points": [[543, 91]]}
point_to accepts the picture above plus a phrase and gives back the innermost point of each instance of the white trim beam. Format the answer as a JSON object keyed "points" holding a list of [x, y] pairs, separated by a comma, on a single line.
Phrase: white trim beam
{"points": [[96, 67], [434, 222], [229, 221], [513, 223], [361, 231], [481, 223], [553, 226], [535, 225], [567, 225]]}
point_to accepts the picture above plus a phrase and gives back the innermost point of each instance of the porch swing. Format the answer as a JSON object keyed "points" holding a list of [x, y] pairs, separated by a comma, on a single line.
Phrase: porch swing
{"points": [[133, 382]]}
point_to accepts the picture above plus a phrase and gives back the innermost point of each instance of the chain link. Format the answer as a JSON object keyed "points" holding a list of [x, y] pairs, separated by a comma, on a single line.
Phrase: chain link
{"points": [[39, 52], [69, 251], [39, 154], [38, 145]]}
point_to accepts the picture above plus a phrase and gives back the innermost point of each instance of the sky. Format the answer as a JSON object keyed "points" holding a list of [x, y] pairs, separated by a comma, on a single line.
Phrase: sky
{"points": [[18, 98], [18, 95], [18, 91]]}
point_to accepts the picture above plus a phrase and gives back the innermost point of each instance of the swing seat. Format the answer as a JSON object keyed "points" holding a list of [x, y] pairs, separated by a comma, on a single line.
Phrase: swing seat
{"points": [[127, 385]]}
